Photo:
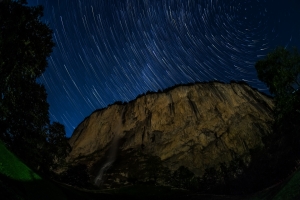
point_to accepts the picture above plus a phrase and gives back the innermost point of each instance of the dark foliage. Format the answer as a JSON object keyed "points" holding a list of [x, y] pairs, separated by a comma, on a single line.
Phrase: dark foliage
{"points": [[76, 175], [183, 178], [227, 179], [280, 70], [58, 146], [147, 171], [25, 44]]}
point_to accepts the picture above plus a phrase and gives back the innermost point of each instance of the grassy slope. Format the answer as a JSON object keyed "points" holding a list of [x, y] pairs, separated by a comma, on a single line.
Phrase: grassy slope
{"points": [[289, 189], [17, 181]]}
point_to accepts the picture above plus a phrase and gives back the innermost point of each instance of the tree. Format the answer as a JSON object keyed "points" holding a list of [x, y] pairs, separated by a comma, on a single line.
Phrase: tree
{"points": [[182, 178], [76, 175], [25, 44], [59, 147], [280, 70]]}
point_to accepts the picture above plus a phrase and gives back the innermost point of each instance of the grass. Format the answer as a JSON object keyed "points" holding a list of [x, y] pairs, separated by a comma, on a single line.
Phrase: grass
{"points": [[12, 167], [18, 181]]}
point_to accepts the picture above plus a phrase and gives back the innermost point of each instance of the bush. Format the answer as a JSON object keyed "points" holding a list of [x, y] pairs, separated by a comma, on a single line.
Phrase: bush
{"points": [[77, 176]]}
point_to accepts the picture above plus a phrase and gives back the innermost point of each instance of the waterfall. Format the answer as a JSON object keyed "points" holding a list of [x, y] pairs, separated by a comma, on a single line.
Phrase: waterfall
{"points": [[110, 160], [112, 152]]}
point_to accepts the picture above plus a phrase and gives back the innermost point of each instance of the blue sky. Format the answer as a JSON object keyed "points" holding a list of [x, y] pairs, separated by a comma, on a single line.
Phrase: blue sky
{"points": [[109, 51]]}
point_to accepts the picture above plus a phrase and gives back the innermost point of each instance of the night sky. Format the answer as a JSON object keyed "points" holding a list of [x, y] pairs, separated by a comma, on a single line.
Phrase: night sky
{"points": [[113, 50]]}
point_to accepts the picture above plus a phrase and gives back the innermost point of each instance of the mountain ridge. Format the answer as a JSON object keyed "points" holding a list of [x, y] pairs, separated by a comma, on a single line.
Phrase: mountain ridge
{"points": [[196, 126], [118, 102]]}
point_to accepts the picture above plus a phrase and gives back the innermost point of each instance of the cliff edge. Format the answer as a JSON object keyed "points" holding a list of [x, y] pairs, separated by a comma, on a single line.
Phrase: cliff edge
{"points": [[196, 126]]}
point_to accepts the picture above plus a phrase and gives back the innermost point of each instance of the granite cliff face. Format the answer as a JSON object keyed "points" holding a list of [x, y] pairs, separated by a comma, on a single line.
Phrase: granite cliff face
{"points": [[196, 126]]}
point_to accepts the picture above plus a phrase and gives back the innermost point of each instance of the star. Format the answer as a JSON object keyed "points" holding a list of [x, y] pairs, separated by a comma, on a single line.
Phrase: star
{"points": [[109, 51]]}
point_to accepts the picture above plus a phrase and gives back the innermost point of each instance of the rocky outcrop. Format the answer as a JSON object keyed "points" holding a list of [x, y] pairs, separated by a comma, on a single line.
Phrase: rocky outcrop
{"points": [[196, 126]]}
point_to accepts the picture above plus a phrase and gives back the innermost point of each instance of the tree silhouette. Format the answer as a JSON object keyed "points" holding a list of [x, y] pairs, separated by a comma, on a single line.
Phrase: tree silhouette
{"points": [[280, 70], [25, 44]]}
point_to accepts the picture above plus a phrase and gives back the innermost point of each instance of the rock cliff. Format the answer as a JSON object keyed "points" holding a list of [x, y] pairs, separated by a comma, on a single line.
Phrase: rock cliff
{"points": [[196, 126]]}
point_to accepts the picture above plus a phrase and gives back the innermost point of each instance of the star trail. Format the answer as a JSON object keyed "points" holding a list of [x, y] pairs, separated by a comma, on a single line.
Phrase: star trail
{"points": [[114, 50]]}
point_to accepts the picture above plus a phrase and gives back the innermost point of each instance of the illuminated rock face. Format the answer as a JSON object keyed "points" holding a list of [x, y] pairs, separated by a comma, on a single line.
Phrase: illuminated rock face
{"points": [[196, 126]]}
